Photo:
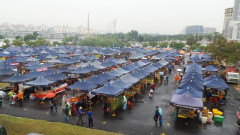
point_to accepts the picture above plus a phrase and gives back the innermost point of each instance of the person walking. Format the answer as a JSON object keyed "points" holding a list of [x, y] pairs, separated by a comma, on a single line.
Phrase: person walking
{"points": [[160, 116], [90, 119], [20, 97], [167, 79], [66, 113], [54, 104], [156, 116], [105, 107], [80, 114], [10, 96], [124, 102]]}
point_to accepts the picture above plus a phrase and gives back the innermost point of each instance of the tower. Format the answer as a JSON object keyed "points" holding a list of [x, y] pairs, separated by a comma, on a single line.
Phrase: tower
{"points": [[236, 10]]}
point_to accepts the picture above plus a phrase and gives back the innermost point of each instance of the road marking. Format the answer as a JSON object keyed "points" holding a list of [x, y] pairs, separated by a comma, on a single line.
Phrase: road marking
{"points": [[25, 109], [168, 124], [104, 122], [163, 134], [47, 113]]}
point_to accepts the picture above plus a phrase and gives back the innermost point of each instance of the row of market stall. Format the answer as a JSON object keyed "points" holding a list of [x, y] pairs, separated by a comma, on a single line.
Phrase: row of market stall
{"points": [[195, 90]]}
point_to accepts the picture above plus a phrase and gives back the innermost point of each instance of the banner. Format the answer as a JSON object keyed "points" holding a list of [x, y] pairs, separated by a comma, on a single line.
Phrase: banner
{"points": [[42, 69]]}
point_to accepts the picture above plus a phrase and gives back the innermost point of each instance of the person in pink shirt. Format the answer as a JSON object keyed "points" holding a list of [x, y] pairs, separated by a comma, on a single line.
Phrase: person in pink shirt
{"points": [[238, 117]]}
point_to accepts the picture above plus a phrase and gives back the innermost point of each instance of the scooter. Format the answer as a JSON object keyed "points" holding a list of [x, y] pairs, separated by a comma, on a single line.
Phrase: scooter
{"points": [[151, 94]]}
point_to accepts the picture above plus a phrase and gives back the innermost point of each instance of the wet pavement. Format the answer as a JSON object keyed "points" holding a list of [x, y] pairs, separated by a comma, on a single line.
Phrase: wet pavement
{"points": [[139, 120]]}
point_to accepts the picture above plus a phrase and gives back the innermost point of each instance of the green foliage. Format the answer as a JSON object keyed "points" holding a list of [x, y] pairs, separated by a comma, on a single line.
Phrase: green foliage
{"points": [[18, 37], [38, 42], [2, 37], [17, 42], [133, 35], [164, 45], [191, 40], [145, 44], [56, 43], [153, 43], [222, 49], [5, 46], [140, 38], [6, 41], [177, 45], [195, 46], [29, 37]]}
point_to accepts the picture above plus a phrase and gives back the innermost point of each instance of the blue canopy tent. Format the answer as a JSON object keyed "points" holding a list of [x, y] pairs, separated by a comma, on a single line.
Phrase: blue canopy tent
{"points": [[81, 70], [57, 77], [108, 90], [150, 68], [49, 71], [216, 83], [212, 77], [106, 77], [63, 69], [114, 73], [186, 100], [18, 78], [82, 85], [120, 70], [210, 68], [34, 74], [40, 81], [7, 71], [96, 80], [130, 79], [193, 84], [119, 83], [138, 75], [193, 92]]}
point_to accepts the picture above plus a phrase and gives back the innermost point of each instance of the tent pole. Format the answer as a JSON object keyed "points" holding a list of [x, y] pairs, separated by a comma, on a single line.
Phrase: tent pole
{"points": [[114, 114], [168, 113]]}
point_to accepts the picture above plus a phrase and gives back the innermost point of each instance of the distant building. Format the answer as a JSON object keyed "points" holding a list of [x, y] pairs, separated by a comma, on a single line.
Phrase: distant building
{"points": [[194, 29], [228, 16], [209, 30]]}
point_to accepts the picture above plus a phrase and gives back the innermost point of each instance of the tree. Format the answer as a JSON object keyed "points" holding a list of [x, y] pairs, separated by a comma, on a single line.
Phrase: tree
{"points": [[140, 38], [6, 41], [29, 37], [195, 46], [153, 43], [17, 42], [164, 45], [18, 37], [2, 37], [221, 49], [145, 44], [177, 45], [55, 43], [191, 41], [35, 34]]}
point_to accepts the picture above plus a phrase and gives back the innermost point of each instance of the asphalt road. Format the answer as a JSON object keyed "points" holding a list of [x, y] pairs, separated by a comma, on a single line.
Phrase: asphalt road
{"points": [[139, 120]]}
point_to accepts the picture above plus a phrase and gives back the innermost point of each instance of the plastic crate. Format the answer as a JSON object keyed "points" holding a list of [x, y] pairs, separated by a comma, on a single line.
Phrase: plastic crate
{"points": [[218, 118]]}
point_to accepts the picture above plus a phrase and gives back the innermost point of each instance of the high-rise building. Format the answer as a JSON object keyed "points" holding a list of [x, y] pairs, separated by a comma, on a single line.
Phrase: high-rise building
{"points": [[236, 13], [228, 16], [194, 29], [209, 30]]}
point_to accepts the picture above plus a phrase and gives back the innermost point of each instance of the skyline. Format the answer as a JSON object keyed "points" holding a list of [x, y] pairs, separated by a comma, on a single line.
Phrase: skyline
{"points": [[144, 16]]}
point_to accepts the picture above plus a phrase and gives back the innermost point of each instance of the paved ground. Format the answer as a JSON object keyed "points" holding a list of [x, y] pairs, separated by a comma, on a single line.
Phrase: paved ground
{"points": [[139, 120]]}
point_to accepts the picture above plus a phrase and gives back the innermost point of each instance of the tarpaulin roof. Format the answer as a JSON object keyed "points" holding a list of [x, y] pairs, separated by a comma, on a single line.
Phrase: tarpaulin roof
{"points": [[34, 74], [129, 78], [81, 70], [193, 92], [104, 76], [193, 84], [212, 77], [82, 86], [150, 68], [7, 71], [57, 77], [63, 69], [40, 81], [114, 73], [95, 80], [49, 71], [16, 79], [186, 100], [216, 83], [120, 70], [119, 83], [108, 90], [210, 68]]}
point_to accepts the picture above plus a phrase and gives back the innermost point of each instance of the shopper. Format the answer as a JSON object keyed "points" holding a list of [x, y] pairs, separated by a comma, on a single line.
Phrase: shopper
{"points": [[90, 118], [80, 114], [10, 96], [66, 112], [156, 116]]}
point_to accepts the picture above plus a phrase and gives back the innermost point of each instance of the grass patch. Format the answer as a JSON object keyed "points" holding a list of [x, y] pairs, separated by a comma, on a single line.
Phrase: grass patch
{"points": [[23, 126]]}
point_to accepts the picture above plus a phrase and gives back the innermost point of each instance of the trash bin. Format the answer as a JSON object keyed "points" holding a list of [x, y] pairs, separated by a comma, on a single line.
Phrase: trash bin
{"points": [[1, 103]]}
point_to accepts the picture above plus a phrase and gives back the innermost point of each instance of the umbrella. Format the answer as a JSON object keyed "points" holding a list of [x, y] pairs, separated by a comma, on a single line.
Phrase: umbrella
{"points": [[2, 94], [50, 95]]}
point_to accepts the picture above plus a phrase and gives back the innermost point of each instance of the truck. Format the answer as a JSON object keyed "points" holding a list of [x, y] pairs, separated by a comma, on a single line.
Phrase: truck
{"points": [[231, 74]]}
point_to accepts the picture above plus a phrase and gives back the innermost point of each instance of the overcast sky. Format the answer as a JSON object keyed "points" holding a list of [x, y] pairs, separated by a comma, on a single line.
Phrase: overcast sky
{"points": [[145, 16]]}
